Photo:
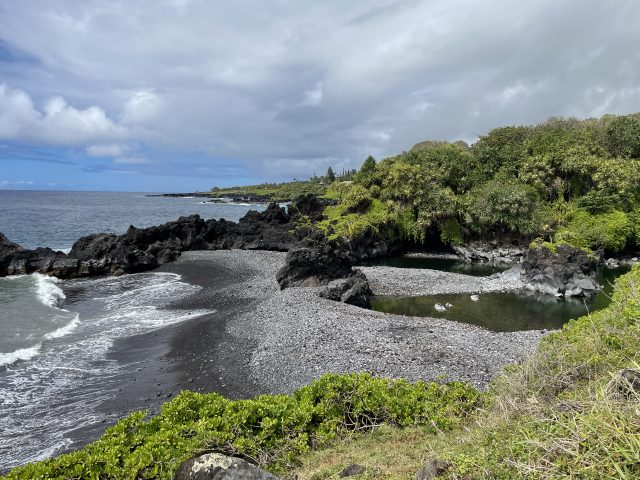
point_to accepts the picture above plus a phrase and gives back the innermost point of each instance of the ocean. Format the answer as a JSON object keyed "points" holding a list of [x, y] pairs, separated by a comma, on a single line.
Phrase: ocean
{"points": [[55, 335]]}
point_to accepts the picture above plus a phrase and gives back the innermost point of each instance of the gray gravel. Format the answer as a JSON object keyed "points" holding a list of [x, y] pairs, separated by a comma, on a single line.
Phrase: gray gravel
{"points": [[414, 281], [296, 335]]}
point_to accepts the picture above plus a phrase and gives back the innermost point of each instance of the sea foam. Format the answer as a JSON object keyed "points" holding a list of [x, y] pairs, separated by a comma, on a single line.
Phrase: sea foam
{"points": [[65, 330], [18, 355], [48, 292]]}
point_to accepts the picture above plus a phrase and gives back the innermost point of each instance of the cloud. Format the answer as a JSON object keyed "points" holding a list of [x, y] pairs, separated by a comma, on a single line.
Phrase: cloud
{"points": [[8, 184], [313, 97], [142, 107], [58, 123], [131, 160], [109, 150], [285, 88]]}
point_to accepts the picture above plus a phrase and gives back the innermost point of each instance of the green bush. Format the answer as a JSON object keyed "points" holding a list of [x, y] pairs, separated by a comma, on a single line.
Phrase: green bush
{"points": [[506, 207], [611, 231], [357, 200], [450, 232], [272, 429]]}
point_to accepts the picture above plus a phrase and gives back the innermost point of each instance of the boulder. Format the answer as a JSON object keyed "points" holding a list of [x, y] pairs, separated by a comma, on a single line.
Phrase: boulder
{"points": [[625, 384], [559, 269], [16, 260], [351, 470], [433, 469], [215, 466], [309, 205], [313, 266], [494, 252], [355, 290]]}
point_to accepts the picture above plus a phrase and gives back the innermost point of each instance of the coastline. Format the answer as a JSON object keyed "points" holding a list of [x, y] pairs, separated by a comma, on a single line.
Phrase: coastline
{"points": [[273, 341], [263, 340]]}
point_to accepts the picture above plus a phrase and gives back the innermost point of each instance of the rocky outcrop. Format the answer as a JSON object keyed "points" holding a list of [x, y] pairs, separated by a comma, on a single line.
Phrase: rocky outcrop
{"points": [[355, 290], [142, 249], [490, 252], [433, 469], [314, 266], [559, 269], [620, 262], [352, 470], [215, 466], [15, 260]]}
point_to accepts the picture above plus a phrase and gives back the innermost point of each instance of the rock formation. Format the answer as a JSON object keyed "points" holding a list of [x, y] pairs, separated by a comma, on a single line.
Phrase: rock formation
{"points": [[214, 466], [560, 269], [142, 249], [314, 266], [355, 290]]}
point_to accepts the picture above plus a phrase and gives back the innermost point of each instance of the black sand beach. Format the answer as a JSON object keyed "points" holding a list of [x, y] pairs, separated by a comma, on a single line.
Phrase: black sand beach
{"points": [[263, 340]]}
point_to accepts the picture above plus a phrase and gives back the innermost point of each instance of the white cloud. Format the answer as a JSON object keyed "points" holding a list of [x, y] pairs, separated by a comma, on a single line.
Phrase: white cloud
{"points": [[228, 79], [15, 183], [58, 123], [142, 107], [16, 111], [313, 97], [108, 150], [131, 160]]}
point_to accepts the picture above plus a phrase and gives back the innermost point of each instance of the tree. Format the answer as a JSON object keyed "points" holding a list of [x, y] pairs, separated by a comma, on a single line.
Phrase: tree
{"points": [[506, 207], [367, 171], [330, 175]]}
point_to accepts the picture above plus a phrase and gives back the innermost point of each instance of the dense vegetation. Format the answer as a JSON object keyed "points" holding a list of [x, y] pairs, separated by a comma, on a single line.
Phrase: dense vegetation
{"points": [[577, 181], [563, 414], [285, 191], [273, 430]]}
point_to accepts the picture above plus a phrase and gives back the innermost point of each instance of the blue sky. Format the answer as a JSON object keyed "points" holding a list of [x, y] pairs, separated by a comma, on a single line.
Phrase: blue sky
{"points": [[182, 95]]}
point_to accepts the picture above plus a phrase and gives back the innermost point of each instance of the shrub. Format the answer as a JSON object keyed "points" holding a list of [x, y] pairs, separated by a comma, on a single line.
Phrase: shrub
{"points": [[507, 207], [450, 232], [272, 429], [611, 231]]}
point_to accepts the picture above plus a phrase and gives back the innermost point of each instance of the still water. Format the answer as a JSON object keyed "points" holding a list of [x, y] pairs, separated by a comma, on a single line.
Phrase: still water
{"points": [[500, 311]]}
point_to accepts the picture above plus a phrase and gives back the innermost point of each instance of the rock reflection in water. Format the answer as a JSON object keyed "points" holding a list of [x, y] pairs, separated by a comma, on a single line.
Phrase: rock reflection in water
{"points": [[496, 311]]}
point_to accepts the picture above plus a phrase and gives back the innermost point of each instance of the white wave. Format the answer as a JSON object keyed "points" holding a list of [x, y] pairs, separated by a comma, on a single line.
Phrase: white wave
{"points": [[48, 292], [13, 278], [17, 355], [67, 329]]}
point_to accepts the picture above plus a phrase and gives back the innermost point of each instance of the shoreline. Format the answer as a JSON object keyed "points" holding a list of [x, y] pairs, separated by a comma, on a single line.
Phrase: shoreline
{"points": [[277, 341], [262, 340]]}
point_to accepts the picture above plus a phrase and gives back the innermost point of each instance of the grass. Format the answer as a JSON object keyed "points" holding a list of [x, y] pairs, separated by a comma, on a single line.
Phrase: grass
{"points": [[274, 192], [556, 416]]}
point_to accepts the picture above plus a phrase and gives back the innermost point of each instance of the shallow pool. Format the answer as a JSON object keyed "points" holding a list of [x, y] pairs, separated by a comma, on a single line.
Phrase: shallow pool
{"points": [[502, 312]]}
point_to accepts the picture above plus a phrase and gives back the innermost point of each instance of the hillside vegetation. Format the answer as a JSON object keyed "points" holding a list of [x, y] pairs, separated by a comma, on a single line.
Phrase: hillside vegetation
{"points": [[577, 181]]}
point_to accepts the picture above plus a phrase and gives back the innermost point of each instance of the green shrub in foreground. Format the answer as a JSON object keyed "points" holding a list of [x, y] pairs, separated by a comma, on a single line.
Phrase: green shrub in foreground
{"points": [[271, 429]]}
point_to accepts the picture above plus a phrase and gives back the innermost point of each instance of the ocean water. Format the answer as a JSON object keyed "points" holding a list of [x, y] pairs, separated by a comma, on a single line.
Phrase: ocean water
{"points": [[57, 219], [55, 335]]}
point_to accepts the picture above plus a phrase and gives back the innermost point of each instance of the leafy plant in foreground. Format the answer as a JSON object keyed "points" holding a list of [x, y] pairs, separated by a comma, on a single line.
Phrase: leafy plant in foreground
{"points": [[272, 430]]}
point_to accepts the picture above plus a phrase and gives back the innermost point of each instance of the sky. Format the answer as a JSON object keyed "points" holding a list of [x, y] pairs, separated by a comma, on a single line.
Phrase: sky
{"points": [[184, 95]]}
